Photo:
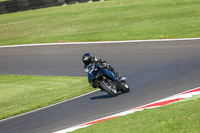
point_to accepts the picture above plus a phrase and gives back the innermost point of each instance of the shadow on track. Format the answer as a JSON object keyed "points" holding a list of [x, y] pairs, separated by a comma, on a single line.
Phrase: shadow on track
{"points": [[103, 96]]}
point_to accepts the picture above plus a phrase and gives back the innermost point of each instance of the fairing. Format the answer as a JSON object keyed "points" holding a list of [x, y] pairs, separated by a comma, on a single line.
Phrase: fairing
{"points": [[94, 71]]}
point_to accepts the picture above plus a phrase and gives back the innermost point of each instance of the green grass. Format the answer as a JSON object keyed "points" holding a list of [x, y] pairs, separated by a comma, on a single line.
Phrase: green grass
{"points": [[182, 117], [100, 21], [20, 94]]}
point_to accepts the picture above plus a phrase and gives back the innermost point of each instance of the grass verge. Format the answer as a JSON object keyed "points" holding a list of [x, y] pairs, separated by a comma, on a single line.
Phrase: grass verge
{"points": [[101, 21], [20, 94], [182, 117]]}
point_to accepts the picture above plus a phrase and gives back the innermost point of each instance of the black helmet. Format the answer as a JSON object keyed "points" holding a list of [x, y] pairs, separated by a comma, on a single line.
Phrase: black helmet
{"points": [[86, 58]]}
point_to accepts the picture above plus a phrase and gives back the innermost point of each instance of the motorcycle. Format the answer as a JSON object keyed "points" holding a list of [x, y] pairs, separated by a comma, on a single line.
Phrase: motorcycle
{"points": [[104, 79]]}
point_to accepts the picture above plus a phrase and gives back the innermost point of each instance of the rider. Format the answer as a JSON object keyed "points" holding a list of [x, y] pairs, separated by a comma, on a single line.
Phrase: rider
{"points": [[87, 59]]}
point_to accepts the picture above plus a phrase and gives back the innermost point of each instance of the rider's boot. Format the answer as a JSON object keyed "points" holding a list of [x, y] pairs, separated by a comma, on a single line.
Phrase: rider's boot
{"points": [[117, 75]]}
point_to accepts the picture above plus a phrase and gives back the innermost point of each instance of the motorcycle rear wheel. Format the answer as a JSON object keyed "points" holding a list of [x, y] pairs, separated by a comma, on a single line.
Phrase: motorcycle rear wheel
{"points": [[107, 87]]}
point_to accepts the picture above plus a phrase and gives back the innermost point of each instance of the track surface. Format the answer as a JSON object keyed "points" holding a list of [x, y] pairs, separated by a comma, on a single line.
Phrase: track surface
{"points": [[154, 70]]}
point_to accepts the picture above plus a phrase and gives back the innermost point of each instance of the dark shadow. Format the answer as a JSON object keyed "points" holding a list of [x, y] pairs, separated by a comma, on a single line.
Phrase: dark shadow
{"points": [[100, 97], [103, 96]]}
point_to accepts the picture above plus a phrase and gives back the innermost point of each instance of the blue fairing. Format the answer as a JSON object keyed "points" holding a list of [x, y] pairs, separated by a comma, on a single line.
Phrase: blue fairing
{"points": [[94, 71], [109, 74]]}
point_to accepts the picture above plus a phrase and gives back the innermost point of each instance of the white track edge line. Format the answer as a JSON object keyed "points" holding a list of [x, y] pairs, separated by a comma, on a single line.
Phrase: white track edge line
{"points": [[123, 113], [48, 106], [98, 42]]}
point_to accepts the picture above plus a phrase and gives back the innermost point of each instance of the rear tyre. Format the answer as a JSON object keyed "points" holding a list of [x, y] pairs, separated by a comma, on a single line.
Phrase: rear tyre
{"points": [[125, 87], [107, 87]]}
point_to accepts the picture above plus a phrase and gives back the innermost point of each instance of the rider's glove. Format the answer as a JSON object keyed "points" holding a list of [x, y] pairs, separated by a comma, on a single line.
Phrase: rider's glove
{"points": [[85, 70], [104, 64]]}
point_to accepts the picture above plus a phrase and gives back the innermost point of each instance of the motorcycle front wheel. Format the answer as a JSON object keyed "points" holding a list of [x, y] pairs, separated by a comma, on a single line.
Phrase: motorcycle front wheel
{"points": [[125, 87], [107, 87]]}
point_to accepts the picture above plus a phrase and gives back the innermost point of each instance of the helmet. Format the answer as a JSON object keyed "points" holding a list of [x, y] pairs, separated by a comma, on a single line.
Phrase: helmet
{"points": [[86, 58]]}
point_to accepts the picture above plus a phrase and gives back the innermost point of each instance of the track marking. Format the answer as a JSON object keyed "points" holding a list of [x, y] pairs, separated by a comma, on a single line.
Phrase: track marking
{"points": [[100, 42], [159, 103]]}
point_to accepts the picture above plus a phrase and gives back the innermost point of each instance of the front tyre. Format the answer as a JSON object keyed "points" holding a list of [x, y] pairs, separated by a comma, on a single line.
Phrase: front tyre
{"points": [[107, 87], [125, 87]]}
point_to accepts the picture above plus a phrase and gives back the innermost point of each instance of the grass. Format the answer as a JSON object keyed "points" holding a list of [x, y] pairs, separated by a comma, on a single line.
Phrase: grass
{"points": [[182, 117], [101, 21], [20, 94]]}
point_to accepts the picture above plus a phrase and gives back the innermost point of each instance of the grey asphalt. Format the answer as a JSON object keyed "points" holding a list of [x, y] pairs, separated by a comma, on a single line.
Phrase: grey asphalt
{"points": [[154, 70]]}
